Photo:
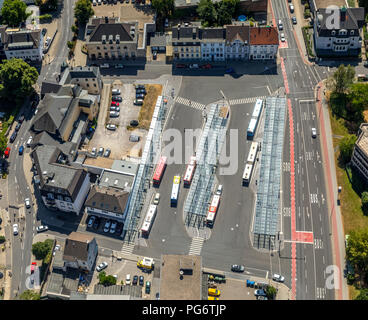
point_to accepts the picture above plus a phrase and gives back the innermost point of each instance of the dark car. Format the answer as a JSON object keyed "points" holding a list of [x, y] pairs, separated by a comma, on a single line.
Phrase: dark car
{"points": [[140, 90], [293, 19], [366, 64], [141, 281], [148, 287], [237, 268], [154, 55], [135, 280], [117, 98], [21, 118], [21, 149], [13, 136], [119, 229], [139, 86], [17, 127], [134, 123], [139, 96], [229, 70], [96, 223]]}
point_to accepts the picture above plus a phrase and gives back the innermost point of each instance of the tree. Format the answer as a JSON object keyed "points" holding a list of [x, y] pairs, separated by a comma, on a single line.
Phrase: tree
{"points": [[357, 99], [207, 12], [226, 10], [47, 5], [346, 146], [164, 8], [357, 249], [365, 202], [2, 239], [271, 292], [342, 79], [29, 295], [3, 143], [14, 12], [363, 295], [106, 280], [83, 11], [17, 78], [41, 249]]}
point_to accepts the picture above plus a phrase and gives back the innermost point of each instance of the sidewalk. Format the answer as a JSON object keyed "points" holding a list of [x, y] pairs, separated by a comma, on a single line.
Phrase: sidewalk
{"points": [[336, 227]]}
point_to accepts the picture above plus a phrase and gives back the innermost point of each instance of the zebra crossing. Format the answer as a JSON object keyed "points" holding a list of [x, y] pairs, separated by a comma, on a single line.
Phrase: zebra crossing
{"points": [[189, 103], [196, 246], [245, 100], [127, 248]]}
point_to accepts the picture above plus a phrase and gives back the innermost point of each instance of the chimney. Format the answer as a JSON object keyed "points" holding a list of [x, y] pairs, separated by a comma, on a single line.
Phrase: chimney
{"points": [[342, 14]]}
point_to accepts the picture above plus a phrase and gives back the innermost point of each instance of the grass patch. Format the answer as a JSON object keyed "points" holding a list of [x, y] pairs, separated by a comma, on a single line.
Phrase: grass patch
{"points": [[149, 103], [351, 3]]}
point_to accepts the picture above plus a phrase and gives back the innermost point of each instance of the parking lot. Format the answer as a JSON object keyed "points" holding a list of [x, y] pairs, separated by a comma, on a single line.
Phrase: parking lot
{"points": [[104, 226]]}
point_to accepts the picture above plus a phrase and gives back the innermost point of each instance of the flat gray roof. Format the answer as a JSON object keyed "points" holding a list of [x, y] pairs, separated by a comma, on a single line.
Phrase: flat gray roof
{"points": [[116, 180], [125, 166]]}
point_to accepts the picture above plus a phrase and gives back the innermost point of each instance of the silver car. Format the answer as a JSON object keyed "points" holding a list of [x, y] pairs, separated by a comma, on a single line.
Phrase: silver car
{"points": [[101, 266], [114, 114], [278, 278], [94, 151]]}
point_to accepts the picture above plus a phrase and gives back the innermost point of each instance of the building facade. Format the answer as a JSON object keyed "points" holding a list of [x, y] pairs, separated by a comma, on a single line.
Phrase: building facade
{"points": [[213, 44], [237, 42], [264, 43], [186, 43], [359, 158]]}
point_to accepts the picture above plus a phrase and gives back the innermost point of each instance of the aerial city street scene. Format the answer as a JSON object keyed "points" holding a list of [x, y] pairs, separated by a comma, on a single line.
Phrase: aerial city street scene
{"points": [[183, 150]]}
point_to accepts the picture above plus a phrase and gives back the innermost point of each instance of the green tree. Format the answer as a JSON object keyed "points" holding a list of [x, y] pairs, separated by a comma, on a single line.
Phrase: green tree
{"points": [[29, 295], [357, 249], [2, 239], [207, 12], [164, 8], [357, 99], [363, 295], [271, 292], [342, 79], [83, 11], [42, 249], [17, 78], [226, 10], [14, 12], [346, 146], [106, 280], [3, 143], [47, 5]]}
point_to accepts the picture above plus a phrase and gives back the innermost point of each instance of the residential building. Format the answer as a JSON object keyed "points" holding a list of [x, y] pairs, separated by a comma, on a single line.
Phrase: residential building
{"points": [[22, 43], [344, 38], [108, 38], [359, 158], [80, 251], [186, 43], [263, 43], [213, 44], [237, 42], [158, 42], [62, 187]]}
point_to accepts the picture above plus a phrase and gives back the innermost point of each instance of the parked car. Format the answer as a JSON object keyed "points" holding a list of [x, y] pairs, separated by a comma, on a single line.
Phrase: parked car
{"points": [[119, 229], [293, 20], [193, 66], [27, 202], [180, 65], [117, 98], [157, 199], [119, 66], [111, 126], [166, 22], [57, 248], [101, 266], [42, 228], [113, 108], [260, 292], [140, 90], [15, 229], [278, 278], [13, 137], [141, 281], [115, 92], [138, 102], [148, 287], [94, 2], [113, 227], [91, 221], [154, 55], [135, 280], [17, 127], [107, 226], [140, 86], [237, 268], [21, 118], [134, 123], [96, 223], [206, 66], [21, 149], [29, 141], [107, 153], [139, 95], [127, 279], [7, 152], [114, 114], [282, 37], [100, 151], [291, 7], [115, 103], [94, 151]]}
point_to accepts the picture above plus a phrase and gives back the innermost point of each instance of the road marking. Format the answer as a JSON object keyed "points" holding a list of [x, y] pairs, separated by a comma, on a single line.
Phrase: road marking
{"points": [[245, 100], [127, 248], [196, 246], [189, 103]]}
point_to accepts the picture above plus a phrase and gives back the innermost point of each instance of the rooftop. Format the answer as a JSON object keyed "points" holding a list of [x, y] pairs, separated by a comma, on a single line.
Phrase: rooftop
{"points": [[189, 284], [76, 246], [362, 141], [264, 36]]}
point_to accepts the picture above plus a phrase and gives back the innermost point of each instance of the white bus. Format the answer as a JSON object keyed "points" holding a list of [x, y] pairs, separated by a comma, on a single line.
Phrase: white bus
{"points": [[247, 173], [189, 172], [148, 220], [255, 118], [175, 191], [211, 214], [252, 153]]}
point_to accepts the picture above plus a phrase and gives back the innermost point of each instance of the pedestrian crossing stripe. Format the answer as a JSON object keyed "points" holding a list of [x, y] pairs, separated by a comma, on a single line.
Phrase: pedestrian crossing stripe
{"points": [[127, 249], [196, 246], [189, 103], [245, 100]]}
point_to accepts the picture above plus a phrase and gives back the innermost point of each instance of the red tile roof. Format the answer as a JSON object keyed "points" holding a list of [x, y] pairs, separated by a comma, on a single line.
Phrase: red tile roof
{"points": [[264, 36]]}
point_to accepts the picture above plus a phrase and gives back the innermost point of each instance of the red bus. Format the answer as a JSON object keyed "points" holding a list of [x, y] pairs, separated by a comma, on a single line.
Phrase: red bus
{"points": [[211, 215], [160, 168], [189, 172]]}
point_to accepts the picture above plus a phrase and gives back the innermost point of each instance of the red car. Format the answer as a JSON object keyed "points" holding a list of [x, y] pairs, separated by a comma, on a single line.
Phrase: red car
{"points": [[206, 66], [180, 65], [7, 152], [33, 267], [115, 103]]}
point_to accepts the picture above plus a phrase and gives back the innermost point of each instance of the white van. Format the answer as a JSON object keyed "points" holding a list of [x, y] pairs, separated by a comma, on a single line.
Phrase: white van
{"points": [[29, 141], [281, 27], [219, 189], [115, 92], [291, 7]]}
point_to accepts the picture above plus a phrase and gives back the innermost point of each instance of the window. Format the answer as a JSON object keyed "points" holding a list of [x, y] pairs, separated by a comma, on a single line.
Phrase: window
{"points": [[98, 48]]}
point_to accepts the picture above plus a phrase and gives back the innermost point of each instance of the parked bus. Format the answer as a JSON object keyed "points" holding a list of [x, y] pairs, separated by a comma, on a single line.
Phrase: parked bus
{"points": [[255, 118], [247, 173], [148, 220], [211, 214], [175, 191], [189, 172], [160, 168], [252, 153]]}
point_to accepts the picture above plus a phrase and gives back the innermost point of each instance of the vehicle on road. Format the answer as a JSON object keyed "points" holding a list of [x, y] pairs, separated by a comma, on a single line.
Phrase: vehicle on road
{"points": [[27, 202], [100, 151], [115, 92], [180, 65], [314, 133], [293, 20], [91, 221], [138, 102], [212, 298], [127, 279], [156, 200], [282, 37], [42, 228], [29, 141], [21, 149], [13, 137], [135, 280], [94, 151], [159, 171], [21, 118], [107, 153], [146, 263], [193, 66], [115, 103], [107, 226], [15, 229], [114, 114], [119, 66], [7, 152], [214, 292], [105, 66], [17, 127], [111, 126], [141, 281], [134, 123], [113, 227], [148, 287], [101, 266], [175, 191], [229, 70], [260, 292], [237, 268], [219, 189], [277, 277], [280, 25], [206, 66], [148, 220]]}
